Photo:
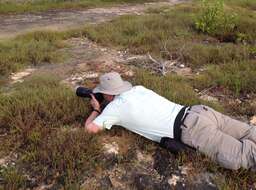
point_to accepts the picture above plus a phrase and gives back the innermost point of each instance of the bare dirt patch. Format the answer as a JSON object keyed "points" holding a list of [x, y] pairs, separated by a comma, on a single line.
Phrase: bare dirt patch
{"points": [[56, 20]]}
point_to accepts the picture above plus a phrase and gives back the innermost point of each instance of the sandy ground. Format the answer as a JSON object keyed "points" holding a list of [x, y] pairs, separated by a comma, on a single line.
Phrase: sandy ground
{"points": [[56, 20]]}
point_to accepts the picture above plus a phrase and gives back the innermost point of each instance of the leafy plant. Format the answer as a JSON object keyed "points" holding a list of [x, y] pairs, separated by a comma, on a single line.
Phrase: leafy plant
{"points": [[214, 20]]}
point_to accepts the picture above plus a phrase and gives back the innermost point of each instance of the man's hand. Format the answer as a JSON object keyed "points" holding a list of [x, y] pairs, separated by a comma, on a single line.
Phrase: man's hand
{"points": [[94, 103], [90, 127]]}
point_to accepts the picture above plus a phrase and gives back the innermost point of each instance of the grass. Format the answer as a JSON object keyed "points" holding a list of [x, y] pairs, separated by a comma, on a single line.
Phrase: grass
{"points": [[38, 116], [170, 33], [39, 101], [34, 49], [44, 5], [239, 77], [13, 179], [249, 4], [41, 115]]}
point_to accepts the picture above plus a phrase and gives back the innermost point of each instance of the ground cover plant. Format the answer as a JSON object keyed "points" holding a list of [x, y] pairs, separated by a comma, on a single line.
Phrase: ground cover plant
{"points": [[44, 5], [34, 49], [43, 118], [238, 77], [38, 116]]}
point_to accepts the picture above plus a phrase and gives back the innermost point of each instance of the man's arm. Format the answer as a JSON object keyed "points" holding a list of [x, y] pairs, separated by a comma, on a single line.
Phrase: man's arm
{"points": [[90, 127]]}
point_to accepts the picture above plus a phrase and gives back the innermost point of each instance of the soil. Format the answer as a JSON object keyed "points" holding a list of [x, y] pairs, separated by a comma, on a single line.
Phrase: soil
{"points": [[56, 20]]}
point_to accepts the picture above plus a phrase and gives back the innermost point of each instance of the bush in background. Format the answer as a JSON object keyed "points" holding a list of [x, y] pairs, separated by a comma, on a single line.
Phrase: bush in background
{"points": [[214, 20]]}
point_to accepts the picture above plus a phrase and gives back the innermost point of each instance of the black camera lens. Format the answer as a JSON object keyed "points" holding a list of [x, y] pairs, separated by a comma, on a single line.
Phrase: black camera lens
{"points": [[86, 93]]}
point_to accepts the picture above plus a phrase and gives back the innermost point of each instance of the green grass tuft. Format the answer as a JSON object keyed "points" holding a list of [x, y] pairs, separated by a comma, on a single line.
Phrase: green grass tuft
{"points": [[240, 77], [31, 49]]}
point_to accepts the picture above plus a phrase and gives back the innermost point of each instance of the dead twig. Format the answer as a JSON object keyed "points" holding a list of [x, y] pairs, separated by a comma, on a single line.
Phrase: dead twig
{"points": [[162, 68], [206, 90]]}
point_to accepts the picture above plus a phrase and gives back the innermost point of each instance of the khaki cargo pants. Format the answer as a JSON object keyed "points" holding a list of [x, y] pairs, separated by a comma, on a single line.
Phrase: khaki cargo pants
{"points": [[229, 142]]}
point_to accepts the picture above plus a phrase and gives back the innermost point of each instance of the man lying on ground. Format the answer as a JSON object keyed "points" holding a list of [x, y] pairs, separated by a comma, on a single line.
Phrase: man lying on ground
{"points": [[229, 142]]}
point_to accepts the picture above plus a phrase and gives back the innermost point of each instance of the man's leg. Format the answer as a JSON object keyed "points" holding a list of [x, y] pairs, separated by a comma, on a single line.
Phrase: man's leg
{"points": [[202, 133], [237, 129]]}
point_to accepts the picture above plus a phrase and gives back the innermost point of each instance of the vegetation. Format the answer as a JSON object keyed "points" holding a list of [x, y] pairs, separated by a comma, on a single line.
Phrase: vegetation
{"points": [[43, 119], [38, 115], [214, 20], [238, 77], [171, 33], [44, 5], [31, 49]]}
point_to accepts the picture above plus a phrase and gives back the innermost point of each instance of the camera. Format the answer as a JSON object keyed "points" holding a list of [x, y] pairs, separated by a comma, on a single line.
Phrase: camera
{"points": [[86, 93]]}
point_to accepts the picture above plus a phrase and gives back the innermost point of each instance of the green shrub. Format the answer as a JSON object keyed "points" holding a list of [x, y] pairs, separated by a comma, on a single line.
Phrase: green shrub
{"points": [[214, 20]]}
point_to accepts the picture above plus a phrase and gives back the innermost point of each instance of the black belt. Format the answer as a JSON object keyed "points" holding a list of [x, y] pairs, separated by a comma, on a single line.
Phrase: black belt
{"points": [[178, 122]]}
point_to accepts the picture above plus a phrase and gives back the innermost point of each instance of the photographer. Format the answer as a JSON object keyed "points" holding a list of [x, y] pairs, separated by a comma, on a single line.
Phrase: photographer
{"points": [[229, 142]]}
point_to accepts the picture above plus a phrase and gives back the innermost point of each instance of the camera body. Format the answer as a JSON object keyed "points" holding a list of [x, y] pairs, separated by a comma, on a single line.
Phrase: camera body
{"points": [[86, 93]]}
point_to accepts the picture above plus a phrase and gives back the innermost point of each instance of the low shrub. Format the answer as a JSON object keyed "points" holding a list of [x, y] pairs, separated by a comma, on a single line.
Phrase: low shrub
{"points": [[214, 20], [196, 55]]}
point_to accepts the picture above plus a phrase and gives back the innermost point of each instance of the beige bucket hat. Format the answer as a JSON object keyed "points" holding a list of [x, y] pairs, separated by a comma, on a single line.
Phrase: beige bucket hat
{"points": [[112, 84]]}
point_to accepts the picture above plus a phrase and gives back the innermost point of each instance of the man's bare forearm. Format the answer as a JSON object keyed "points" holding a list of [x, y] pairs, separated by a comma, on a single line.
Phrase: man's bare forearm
{"points": [[93, 115]]}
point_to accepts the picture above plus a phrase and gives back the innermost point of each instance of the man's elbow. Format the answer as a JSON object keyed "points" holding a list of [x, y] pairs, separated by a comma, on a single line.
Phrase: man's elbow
{"points": [[92, 129]]}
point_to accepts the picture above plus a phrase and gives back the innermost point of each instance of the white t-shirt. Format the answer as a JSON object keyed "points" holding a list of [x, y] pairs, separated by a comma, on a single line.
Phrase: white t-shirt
{"points": [[142, 111]]}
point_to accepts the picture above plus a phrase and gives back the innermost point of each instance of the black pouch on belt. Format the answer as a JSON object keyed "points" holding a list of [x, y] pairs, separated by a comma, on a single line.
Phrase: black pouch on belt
{"points": [[174, 145]]}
